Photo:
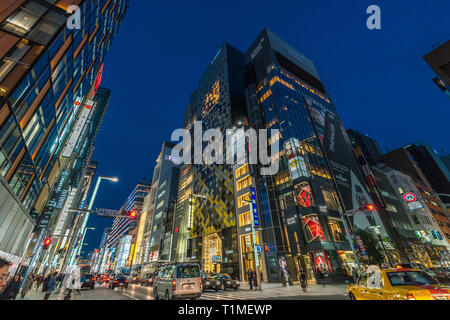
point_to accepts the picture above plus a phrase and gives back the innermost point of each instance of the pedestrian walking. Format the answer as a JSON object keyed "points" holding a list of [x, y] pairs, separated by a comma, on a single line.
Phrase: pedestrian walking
{"points": [[50, 285], [320, 277], [354, 274], [27, 286], [40, 279], [303, 280], [250, 278], [12, 289], [255, 282]]}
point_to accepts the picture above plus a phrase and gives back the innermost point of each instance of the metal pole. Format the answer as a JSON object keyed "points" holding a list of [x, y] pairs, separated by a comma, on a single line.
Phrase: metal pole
{"points": [[255, 252]]}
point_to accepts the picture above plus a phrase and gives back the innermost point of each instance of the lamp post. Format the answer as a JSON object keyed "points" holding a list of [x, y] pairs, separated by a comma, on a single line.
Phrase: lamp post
{"points": [[255, 251], [82, 230]]}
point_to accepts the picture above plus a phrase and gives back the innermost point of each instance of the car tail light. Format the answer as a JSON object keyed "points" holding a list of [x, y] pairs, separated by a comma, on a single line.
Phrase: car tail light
{"points": [[126, 281], [116, 281], [410, 296], [174, 284], [201, 282]]}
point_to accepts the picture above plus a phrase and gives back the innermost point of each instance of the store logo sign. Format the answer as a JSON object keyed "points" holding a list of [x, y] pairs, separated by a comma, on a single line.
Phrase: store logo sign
{"points": [[255, 207]]}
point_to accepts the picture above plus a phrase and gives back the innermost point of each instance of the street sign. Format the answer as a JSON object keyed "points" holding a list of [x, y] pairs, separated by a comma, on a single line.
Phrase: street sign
{"points": [[258, 248], [414, 205], [409, 197], [107, 213]]}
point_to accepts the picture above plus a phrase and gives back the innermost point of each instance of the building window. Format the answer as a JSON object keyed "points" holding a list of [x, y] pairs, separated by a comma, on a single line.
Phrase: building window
{"points": [[240, 199], [330, 199], [245, 219], [243, 183], [242, 170], [336, 230]]}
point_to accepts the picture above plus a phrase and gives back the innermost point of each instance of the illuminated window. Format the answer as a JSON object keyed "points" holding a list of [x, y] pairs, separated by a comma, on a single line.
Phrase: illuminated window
{"points": [[336, 230], [242, 203], [243, 183], [245, 219], [242, 170], [212, 98]]}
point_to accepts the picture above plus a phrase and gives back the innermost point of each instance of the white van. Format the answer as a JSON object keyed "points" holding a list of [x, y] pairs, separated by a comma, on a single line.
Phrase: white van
{"points": [[178, 281]]}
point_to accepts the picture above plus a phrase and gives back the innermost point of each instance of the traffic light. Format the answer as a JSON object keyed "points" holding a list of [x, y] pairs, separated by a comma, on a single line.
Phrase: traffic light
{"points": [[132, 214], [369, 207], [47, 243], [266, 249]]}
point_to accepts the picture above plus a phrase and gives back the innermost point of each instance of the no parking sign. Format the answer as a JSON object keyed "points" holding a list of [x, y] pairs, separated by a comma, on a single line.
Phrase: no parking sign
{"points": [[409, 197]]}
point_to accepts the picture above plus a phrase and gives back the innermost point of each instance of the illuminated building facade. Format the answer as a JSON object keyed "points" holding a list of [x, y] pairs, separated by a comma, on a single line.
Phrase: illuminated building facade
{"points": [[300, 208], [207, 226], [124, 227], [157, 229], [48, 76]]}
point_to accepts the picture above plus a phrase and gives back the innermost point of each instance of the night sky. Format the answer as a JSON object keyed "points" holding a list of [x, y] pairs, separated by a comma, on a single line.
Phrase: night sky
{"points": [[376, 78]]}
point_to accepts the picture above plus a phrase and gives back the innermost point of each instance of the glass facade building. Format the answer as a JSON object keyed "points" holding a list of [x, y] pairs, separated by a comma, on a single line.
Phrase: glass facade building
{"points": [[301, 207], [48, 74]]}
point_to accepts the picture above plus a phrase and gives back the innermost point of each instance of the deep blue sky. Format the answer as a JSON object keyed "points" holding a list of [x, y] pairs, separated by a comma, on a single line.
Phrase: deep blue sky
{"points": [[377, 79]]}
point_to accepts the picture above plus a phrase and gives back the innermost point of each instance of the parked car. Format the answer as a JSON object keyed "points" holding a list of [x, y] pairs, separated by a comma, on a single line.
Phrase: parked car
{"points": [[88, 281], [397, 284], [119, 281], [178, 281], [226, 281], [210, 282]]}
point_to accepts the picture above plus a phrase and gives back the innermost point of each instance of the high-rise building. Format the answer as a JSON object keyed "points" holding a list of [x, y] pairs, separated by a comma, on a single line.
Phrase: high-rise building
{"points": [[302, 208], [439, 60], [368, 146], [205, 208], [48, 76], [299, 211], [124, 230], [404, 159], [156, 229], [433, 168]]}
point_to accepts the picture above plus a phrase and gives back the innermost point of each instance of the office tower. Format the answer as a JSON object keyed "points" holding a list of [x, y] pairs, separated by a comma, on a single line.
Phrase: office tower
{"points": [[301, 207], [403, 159], [122, 238], [432, 166], [206, 202], [48, 75], [368, 146], [439, 60], [156, 229]]}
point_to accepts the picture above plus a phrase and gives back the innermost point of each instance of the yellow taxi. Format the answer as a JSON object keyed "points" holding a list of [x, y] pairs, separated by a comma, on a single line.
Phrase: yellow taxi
{"points": [[396, 284]]}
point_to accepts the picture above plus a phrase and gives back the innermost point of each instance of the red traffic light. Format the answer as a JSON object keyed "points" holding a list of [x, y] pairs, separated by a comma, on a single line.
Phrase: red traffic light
{"points": [[369, 207], [47, 243], [133, 214]]}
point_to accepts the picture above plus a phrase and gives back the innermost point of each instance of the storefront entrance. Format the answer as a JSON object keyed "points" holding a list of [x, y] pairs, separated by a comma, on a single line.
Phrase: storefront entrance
{"points": [[211, 253]]}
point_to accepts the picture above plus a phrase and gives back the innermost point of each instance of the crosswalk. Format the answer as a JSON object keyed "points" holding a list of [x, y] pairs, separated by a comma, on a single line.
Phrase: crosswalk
{"points": [[249, 294]]}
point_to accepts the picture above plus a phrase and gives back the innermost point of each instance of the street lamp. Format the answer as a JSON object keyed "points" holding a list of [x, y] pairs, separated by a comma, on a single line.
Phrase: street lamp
{"points": [[255, 252], [91, 204]]}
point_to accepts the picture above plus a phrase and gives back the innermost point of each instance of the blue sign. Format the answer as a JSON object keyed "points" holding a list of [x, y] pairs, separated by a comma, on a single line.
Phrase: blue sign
{"points": [[258, 248], [255, 207]]}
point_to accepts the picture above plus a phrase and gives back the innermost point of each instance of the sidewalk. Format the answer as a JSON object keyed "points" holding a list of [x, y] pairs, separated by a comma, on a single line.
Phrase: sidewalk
{"points": [[313, 289]]}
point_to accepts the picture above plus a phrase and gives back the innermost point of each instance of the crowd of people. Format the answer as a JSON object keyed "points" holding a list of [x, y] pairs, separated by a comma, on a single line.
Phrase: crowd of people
{"points": [[47, 284]]}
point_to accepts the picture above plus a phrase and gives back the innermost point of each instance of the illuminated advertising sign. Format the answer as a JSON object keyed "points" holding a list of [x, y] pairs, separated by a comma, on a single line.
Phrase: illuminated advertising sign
{"points": [[98, 80], [78, 129], [313, 228], [255, 207], [304, 195]]}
